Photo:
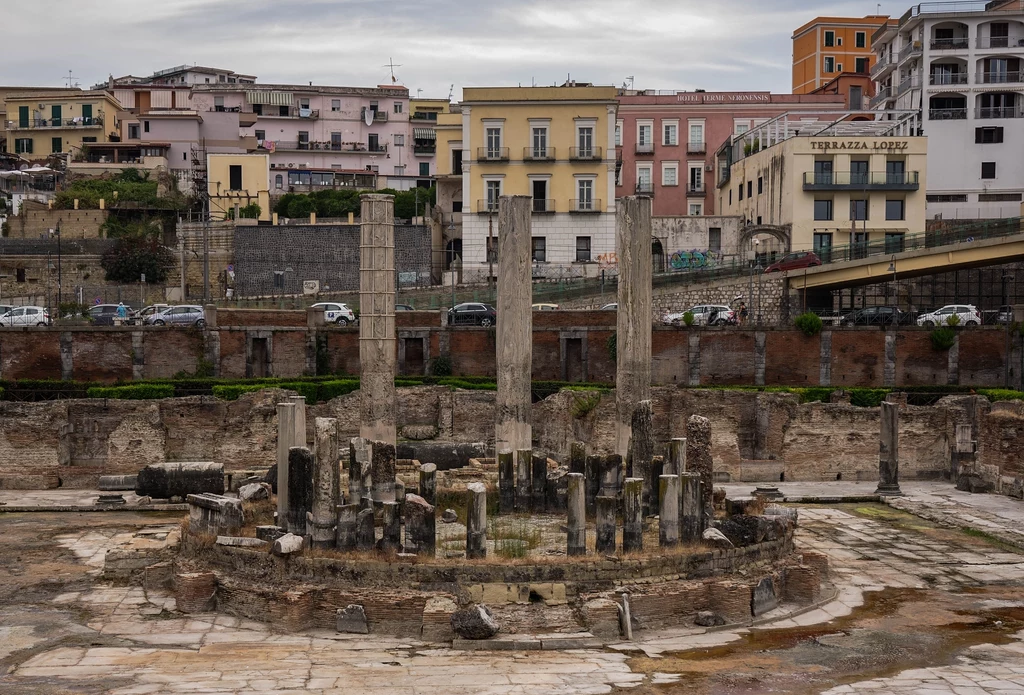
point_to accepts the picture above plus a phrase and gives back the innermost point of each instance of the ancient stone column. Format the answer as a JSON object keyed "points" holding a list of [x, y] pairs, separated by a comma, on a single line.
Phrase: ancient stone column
{"points": [[358, 468], [420, 526], [641, 453], [538, 483], [377, 352], [476, 521], [506, 481], [611, 475], [632, 516], [668, 511], [347, 534], [607, 509], [285, 435], [300, 420], [326, 484], [300, 488], [391, 524], [365, 537], [594, 466], [634, 317], [576, 537], [698, 460], [524, 466], [578, 458], [382, 471], [676, 463], [514, 336], [888, 451], [428, 483], [691, 505]]}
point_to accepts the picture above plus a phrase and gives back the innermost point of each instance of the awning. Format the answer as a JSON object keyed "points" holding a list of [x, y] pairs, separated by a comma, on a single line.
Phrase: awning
{"points": [[271, 98], [424, 134]]}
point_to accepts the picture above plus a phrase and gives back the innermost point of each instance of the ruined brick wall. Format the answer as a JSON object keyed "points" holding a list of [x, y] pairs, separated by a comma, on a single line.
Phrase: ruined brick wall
{"points": [[1001, 438], [36, 222]]}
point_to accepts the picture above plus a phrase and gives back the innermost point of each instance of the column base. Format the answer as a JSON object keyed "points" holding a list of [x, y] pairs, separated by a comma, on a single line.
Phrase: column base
{"points": [[892, 490]]}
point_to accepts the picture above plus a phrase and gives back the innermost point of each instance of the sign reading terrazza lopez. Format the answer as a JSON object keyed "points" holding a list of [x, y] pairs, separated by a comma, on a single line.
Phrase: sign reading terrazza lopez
{"points": [[891, 145]]}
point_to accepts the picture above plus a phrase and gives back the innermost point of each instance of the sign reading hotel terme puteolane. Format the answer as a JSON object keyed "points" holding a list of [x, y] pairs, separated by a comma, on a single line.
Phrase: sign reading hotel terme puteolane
{"points": [[889, 145]]}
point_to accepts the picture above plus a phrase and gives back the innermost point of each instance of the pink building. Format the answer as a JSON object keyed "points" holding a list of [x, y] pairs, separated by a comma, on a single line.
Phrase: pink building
{"points": [[667, 140]]}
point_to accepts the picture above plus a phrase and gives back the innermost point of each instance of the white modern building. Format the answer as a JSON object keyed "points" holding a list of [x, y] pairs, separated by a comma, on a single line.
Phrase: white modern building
{"points": [[959, 63]]}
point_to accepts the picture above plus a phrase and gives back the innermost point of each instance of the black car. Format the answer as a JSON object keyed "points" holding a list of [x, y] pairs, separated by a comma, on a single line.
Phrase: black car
{"points": [[404, 307], [472, 314], [877, 316], [104, 314]]}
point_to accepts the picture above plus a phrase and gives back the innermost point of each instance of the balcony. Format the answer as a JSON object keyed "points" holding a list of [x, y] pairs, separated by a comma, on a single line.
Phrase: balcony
{"points": [[987, 112], [997, 42], [585, 154], [34, 123], [947, 114], [999, 77], [585, 205], [543, 205], [696, 148], [960, 43], [856, 181], [645, 148], [947, 78], [425, 150], [645, 188], [492, 154], [378, 116], [884, 95], [913, 82], [318, 146], [912, 49], [273, 112], [487, 207], [881, 65], [538, 154], [695, 191]]}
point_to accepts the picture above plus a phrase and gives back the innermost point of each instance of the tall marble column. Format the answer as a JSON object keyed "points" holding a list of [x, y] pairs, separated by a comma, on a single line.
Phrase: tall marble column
{"points": [[377, 341], [888, 451], [326, 484]]}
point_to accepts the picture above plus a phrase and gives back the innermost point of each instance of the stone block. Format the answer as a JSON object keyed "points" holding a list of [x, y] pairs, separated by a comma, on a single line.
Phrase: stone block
{"points": [[474, 622], [166, 480], [254, 492], [763, 598], [352, 620], [269, 533], [287, 544], [708, 619], [553, 594], [241, 542], [215, 515], [716, 538]]}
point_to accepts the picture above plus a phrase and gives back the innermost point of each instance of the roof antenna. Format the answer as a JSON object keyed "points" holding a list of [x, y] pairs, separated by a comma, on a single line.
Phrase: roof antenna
{"points": [[391, 64]]}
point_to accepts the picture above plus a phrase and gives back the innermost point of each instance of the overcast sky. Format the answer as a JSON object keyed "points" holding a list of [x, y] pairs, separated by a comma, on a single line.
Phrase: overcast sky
{"points": [[663, 44]]}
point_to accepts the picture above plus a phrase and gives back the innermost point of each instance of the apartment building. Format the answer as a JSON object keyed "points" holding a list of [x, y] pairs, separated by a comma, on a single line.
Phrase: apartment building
{"points": [[6, 92], [960, 64], [191, 75], [554, 144], [666, 140], [816, 184], [448, 131], [826, 47], [42, 124], [238, 179]]}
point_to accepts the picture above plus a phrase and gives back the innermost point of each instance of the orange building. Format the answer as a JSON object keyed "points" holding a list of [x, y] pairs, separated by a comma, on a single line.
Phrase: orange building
{"points": [[825, 47]]}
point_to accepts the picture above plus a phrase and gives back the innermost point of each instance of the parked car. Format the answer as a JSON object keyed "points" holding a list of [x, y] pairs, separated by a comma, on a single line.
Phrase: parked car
{"points": [[1004, 315], [704, 315], [404, 307], [178, 316], [546, 307], [614, 306], [795, 261], [876, 316], [4, 308], [104, 314], [26, 316], [336, 312], [968, 313], [139, 317], [472, 314]]}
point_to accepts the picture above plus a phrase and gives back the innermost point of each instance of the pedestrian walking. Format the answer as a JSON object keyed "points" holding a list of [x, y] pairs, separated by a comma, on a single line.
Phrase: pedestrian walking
{"points": [[743, 313]]}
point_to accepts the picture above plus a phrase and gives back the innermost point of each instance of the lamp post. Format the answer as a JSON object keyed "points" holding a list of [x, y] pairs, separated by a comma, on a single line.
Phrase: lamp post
{"points": [[896, 295]]}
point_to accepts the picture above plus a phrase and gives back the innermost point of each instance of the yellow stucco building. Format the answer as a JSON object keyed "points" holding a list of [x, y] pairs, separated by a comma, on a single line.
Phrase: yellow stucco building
{"points": [[240, 179], [814, 185], [553, 144], [41, 124]]}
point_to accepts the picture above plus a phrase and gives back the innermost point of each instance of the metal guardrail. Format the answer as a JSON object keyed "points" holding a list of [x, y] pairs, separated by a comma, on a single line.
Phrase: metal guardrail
{"points": [[41, 247]]}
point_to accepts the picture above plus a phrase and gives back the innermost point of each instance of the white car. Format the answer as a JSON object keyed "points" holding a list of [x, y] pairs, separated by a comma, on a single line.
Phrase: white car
{"points": [[968, 313], [702, 316], [336, 312], [26, 316]]}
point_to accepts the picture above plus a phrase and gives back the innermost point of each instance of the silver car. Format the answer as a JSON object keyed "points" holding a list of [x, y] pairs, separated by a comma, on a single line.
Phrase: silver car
{"points": [[26, 316], [178, 316]]}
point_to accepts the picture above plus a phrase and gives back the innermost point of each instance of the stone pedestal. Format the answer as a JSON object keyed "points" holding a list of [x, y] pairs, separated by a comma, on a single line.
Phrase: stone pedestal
{"points": [[607, 509], [377, 353], [391, 525], [888, 451], [641, 454], [420, 527], [538, 483], [476, 521], [668, 511], [428, 483], [676, 463], [698, 460], [300, 489], [382, 471], [347, 532], [506, 481], [285, 437], [524, 466], [514, 332], [691, 506], [632, 516], [576, 540], [327, 487]]}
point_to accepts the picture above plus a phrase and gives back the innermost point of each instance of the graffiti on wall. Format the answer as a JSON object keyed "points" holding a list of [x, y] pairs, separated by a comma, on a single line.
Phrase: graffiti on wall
{"points": [[693, 260], [608, 261]]}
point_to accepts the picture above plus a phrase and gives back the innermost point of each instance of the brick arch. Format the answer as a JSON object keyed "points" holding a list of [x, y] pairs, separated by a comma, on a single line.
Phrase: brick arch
{"points": [[782, 233]]}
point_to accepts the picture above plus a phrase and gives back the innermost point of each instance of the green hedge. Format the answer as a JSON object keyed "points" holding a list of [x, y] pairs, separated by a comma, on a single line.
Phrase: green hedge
{"points": [[135, 392], [231, 392], [1001, 395]]}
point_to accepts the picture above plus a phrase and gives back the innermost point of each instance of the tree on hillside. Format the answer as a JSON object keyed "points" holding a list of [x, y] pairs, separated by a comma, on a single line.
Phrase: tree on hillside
{"points": [[137, 251]]}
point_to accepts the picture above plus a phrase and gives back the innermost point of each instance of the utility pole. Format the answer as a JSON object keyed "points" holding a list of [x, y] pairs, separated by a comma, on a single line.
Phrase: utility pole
{"points": [[60, 276], [206, 261], [490, 244], [181, 259]]}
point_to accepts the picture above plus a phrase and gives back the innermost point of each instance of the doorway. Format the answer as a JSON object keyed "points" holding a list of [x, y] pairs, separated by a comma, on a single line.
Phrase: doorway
{"points": [[260, 362]]}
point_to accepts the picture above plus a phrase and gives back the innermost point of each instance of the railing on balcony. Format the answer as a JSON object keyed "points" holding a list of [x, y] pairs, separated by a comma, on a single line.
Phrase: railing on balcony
{"points": [[913, 82], [585, 205], [274, 112], [999, 77], [999, 41], [880, 65], [538, 154], [645, 188], [947, 114], [586, 154], [645, 148], [696, 148], [911, 49], [880, 32], [959, 43], [692, 190], [378, 116], [424, 149], [877, 180], [884, 94], [543, 205], [304, 145], [492, 154], [80, 122], [947, 78], [987, 112], [487, 206]]}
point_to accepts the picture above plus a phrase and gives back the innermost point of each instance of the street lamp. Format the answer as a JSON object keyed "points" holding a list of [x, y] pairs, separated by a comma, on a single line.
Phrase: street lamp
{"points": [[892, 269]]}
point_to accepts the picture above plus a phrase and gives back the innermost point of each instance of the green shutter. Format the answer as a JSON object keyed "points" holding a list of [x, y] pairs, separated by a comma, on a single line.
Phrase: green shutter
{"points": [[57, 145], [23, 117], [55, 114], [87, 113]]}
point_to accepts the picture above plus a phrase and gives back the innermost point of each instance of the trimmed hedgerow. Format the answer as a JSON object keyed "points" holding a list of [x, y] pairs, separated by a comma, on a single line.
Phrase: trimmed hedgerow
{"points": [[134, 392]]}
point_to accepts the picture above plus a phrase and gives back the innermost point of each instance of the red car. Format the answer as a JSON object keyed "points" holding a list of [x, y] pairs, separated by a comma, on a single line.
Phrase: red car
{"points": [[797, 260]]}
